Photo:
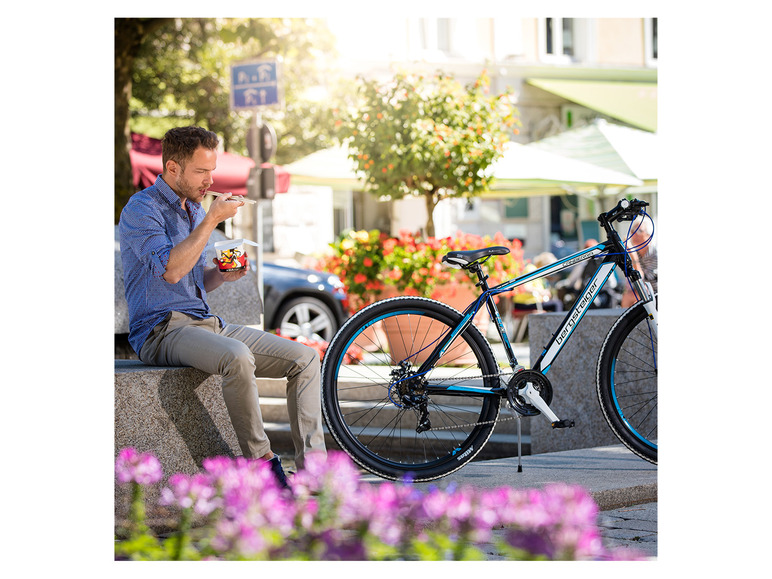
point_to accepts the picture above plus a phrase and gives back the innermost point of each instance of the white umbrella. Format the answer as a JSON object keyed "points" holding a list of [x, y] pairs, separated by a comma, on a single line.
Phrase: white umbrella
{"points": [[330, 167], [526, 169], [522, 168], [608, 145]]}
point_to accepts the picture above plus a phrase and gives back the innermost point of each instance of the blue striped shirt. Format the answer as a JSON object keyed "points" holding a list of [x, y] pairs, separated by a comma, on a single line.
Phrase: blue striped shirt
{"points": [[153, 222]]}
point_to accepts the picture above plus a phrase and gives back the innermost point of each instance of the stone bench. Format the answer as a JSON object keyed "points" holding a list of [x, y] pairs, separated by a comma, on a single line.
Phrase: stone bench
{"points": [[572, 376], [179, 414]]}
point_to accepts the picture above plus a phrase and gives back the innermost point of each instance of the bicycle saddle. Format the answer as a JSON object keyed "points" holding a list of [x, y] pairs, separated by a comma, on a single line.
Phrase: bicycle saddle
{"points": [[463, 259]]}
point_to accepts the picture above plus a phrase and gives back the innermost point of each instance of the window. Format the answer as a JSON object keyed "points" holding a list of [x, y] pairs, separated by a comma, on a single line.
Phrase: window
{"points": [[568, 36], [443, 34], [434, 34], [516, 208], [650, 41], [557, 39], [508, 37], [550, 35]]}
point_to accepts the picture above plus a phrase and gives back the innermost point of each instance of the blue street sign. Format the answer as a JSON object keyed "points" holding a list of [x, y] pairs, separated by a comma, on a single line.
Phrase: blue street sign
{"points": [[254, 84]]}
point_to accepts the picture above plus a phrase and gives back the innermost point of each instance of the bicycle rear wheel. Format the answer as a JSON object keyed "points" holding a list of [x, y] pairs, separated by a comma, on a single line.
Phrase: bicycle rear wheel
{"points": [[393, 422], [627, 382]]}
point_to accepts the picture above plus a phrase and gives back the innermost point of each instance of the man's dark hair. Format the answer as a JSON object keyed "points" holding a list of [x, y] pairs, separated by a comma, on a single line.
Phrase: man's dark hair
{"points": [[180, 143]]}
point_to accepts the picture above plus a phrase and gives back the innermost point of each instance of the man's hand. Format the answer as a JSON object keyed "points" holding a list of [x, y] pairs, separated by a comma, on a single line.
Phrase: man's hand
{"points": [[231, 275], [223, 208], [214, 278]]}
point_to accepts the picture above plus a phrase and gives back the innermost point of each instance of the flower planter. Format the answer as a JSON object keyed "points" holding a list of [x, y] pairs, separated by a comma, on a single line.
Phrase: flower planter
{"points": [[455, 295], [375, 266]]}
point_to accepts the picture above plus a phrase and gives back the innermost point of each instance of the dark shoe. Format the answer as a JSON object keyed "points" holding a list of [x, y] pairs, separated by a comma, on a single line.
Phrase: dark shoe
{"points": [[278, 471]]}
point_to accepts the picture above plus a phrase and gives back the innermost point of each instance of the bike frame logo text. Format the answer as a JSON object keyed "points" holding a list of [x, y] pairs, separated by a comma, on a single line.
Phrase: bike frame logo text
{"points": [[585, 301]]}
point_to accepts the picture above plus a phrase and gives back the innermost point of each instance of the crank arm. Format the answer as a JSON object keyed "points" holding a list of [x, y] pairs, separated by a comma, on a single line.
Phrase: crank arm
{"points": [[532, 397]]}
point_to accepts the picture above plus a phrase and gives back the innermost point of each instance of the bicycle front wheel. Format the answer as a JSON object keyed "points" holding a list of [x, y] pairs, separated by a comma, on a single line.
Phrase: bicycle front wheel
{"points": [[627, 382], [393, 421]]}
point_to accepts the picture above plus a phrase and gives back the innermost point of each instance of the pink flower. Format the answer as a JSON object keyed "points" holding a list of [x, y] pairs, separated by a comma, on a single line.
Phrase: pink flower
{"points": [[195, 491], [131, 466]]}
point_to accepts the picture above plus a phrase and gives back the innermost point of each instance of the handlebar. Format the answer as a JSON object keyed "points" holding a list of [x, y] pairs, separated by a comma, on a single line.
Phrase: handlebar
{"points": [[624, 211]]}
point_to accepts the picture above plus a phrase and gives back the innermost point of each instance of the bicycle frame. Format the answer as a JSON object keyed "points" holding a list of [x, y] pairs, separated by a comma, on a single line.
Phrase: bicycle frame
{"points": [[615, 255]]}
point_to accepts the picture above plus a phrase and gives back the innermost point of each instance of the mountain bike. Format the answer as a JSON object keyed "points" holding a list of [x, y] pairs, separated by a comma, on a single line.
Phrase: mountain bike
{"points": [[423, 401]]}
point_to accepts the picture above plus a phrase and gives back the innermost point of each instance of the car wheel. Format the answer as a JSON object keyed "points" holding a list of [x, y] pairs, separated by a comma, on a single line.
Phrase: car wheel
{"points": [[307, 317]]}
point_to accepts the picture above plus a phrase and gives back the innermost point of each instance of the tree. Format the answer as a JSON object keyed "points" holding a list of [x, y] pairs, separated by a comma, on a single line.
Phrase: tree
{"points": [[427, 137], [129, 35]]}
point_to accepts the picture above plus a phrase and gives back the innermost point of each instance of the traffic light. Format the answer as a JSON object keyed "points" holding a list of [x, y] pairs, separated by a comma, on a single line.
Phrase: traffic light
{"points": [[267, 142], [268, 183], [261, 144]]}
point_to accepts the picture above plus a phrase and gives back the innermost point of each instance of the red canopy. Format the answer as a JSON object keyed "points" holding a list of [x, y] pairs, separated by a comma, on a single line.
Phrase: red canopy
{"points": [[229, 177]]}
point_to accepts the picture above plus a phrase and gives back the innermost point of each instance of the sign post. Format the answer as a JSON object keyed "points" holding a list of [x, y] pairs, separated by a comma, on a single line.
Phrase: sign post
{"points": [[254, 85]]}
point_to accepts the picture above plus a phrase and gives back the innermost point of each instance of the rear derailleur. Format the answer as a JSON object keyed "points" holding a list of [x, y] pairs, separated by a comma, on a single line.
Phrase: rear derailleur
{"points": [[411, 390]]}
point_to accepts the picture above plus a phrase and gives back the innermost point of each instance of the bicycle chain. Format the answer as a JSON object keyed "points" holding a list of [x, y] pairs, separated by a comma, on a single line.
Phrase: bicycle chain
{"points": [[496, 421], [472, 424]]}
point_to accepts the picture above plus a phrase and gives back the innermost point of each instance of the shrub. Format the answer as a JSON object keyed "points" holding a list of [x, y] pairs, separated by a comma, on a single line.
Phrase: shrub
{"points": [[330, 514]]}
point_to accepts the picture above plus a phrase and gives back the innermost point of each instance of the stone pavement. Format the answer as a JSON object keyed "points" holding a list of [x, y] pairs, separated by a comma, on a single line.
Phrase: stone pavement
{"points": [[634, 527]]}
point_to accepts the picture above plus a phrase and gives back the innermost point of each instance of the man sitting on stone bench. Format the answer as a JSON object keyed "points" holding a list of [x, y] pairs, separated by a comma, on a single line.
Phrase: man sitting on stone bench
{"points": [[163, 234]]}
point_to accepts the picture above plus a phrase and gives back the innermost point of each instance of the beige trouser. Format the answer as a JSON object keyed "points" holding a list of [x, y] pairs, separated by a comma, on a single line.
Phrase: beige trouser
{"points": [[239, 353]]}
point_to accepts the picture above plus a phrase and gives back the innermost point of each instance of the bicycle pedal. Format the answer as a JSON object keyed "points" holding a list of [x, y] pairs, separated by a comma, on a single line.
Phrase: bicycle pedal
{"points": [[563, 424]]}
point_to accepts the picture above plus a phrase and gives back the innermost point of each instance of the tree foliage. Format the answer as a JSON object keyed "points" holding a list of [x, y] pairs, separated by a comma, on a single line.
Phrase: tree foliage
{"points": [[129, 35], [184, 70], [431, 137], [180, 75]]}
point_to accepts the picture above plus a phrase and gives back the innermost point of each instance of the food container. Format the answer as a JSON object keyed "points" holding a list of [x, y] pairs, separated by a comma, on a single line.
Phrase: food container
{"points": [[232, 254]]}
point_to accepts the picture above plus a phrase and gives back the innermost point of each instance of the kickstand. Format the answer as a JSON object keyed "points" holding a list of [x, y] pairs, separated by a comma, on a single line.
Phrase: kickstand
{"points": [[519, 447]]}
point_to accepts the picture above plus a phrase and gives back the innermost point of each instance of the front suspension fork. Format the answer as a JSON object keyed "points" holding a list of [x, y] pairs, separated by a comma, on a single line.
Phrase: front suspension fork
{"points": [[649, 301]]}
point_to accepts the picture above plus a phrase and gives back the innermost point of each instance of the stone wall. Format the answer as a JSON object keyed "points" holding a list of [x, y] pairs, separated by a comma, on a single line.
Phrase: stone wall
{"points": [[572, 376]]}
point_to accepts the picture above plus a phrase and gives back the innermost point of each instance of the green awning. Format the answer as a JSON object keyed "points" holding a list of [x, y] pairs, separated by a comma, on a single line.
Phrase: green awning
{"points": [[634, 103]]}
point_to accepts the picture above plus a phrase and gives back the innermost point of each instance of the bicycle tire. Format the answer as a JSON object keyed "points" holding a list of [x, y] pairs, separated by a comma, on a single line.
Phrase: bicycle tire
{"points": [[627, 382], [361, 402]]}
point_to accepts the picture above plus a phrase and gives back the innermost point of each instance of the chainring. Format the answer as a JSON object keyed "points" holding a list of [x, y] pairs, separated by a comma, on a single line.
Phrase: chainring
{"points": [[518, 382]]}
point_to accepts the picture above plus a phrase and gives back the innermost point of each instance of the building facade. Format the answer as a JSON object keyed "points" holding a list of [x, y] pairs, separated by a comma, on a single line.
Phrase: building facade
{"points": [[567, 74]]}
